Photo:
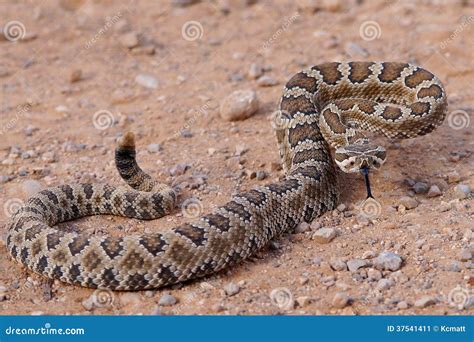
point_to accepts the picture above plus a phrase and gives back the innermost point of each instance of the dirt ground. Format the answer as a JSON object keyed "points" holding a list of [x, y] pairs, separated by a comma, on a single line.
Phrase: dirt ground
{"points": [[75, 75]]}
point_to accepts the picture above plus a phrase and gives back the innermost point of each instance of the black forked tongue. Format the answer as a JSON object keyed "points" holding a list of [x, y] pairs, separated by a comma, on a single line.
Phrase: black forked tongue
{"points": [[365, 172]]}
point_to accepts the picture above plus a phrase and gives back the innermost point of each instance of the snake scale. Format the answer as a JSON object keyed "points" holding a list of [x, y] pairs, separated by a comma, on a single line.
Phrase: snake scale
{"points": [[325, 105]]}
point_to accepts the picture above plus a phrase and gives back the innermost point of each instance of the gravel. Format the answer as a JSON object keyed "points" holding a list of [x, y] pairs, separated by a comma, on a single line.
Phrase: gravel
{"points": [[384, 284], [434, 191], [420, 188], [167, 300], [338, 265], [340, 300], [462, 191], [231, 289], [425, 301], [147, 81], [355, 264], [324, 235], [408, 202], [388, 261], [239, 105]]}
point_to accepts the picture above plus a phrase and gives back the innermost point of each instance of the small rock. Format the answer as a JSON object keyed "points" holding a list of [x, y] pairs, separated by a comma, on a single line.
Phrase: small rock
{"points": [[185, 133], [122, 95], [184, 3], [49, 157], [324, 235], [388, 261], [179, 169], [454, 266], [434, 191], [465, 254], [425, 301], [454, 177], [341, 207], [239, 105], [303, 280], [75, 76], [384, 284], [261, 175], [30, 129], [340, 300], [130, 298], [129, 40], [302, 227], [62, 109], [408, 202], [355, 264], [167, 300], [462, 191], [154, 148], [147, 81], [255, 71], [402, 305], [266, 81], [303, 301], [231, 289], [374, 274], [420, 188], [338, 265]]}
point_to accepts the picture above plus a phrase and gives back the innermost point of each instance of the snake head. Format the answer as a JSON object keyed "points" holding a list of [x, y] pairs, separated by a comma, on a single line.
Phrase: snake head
{"points": [[360, 155]]}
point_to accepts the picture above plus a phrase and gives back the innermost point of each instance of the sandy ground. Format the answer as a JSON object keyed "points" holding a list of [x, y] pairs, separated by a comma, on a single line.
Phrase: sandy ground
{"points": [[69, 88]]}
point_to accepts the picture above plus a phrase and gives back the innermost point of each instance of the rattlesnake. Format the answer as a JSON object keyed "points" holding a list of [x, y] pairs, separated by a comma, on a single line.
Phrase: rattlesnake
{"points": [[328, 104]]}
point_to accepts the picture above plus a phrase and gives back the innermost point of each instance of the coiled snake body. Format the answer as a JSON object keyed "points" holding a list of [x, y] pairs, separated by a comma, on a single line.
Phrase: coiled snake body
{"points": [[328, 104]]}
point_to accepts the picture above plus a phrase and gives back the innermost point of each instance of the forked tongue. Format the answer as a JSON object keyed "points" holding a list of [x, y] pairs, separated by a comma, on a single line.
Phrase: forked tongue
{"points": [[365, 172]]}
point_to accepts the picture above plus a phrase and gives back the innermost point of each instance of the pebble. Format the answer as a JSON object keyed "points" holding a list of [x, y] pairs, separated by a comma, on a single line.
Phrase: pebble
{"points": [[465, 254], [454, 266], [408, 202], [324, 235], [434, 191], [185, 133], [255, 71], [239, 105], [384, 284], [49, 157], [154, 148], [402, 305], [340, 300], [454, 177], [129, 40], [266, 81], [30, 129], [121, 95], [388, 261], [75, 76], [167, 300], [302, 227], [462, 191], [420, 188], [425, 301], [374, 274], [130, 298], [261, 175], [303, 301], [338, 265], [179, 169], [355, 264], [147, 81], [184, 3], [231, 289], [62, 109]]}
